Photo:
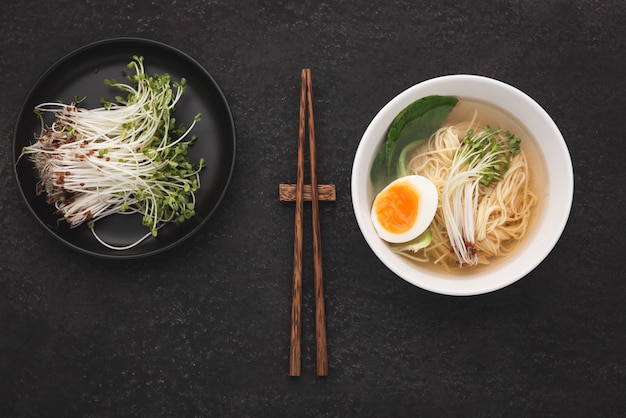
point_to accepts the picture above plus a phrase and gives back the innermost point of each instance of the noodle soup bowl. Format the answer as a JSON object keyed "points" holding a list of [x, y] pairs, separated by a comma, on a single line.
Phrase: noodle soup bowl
{"points": [[553, 185]]}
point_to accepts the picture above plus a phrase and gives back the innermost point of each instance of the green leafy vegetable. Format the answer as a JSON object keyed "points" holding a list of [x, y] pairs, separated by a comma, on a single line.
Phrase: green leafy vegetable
{"points": [[422, 241], [402, 168], [378, 172], [412, 126]]}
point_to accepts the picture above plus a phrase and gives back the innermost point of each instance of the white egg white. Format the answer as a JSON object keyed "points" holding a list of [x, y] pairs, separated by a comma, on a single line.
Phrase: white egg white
{"points": [[427, 206]]}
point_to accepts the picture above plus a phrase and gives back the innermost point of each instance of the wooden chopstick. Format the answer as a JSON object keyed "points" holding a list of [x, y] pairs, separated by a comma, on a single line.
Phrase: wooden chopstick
{"points": [[306, 106], [296, 291], [320, 321]]}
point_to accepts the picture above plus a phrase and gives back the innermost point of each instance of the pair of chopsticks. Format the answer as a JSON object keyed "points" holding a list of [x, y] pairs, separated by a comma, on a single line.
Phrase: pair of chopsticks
{"points": [[306, 106]]}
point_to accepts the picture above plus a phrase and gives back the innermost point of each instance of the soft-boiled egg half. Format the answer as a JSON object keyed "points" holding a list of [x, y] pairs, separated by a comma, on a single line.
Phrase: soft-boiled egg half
{"points": [[405, 208]]}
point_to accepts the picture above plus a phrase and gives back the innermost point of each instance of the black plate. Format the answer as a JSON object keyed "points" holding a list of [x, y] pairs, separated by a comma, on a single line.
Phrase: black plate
{"points": [[81, 74]]}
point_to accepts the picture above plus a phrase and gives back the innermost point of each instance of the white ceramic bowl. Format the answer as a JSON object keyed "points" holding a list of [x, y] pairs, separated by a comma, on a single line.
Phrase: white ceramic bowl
{"points": [[555, 199]]}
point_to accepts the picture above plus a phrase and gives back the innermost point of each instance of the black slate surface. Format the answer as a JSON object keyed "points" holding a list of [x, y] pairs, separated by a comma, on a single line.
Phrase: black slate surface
{"points": [[203, 329]]}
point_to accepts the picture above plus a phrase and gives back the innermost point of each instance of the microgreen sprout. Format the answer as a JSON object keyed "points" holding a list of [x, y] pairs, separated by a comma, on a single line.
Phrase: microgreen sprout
{"points": [[128, 156], [482, 159]]}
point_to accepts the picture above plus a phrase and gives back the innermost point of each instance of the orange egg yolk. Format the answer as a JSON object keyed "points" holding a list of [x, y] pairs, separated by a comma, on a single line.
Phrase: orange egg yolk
{"points": [[396, 208]]}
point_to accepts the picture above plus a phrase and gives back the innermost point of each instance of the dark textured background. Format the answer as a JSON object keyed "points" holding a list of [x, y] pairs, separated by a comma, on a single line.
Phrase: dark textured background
{"points": [[203, 330]]}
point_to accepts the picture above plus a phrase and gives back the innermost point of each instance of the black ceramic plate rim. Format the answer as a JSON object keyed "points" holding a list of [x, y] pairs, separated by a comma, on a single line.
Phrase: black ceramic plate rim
{"points": [[169, 51]]}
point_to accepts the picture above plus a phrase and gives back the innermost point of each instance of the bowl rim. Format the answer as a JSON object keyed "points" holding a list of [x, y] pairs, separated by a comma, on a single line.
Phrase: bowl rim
{"points": [[556, 211]]}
